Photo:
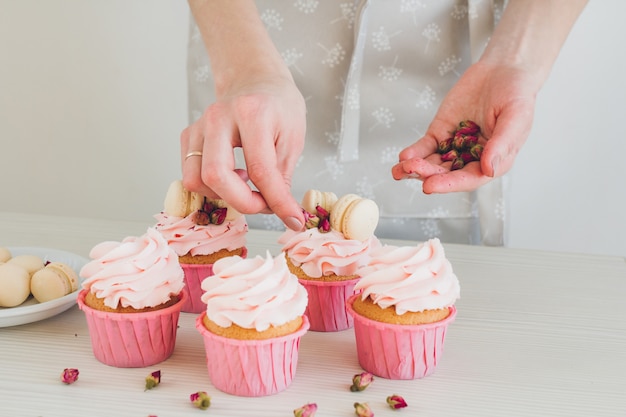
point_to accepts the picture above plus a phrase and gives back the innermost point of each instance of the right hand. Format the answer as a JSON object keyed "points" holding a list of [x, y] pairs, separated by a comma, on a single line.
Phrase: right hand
{"points": [[265, 115]]}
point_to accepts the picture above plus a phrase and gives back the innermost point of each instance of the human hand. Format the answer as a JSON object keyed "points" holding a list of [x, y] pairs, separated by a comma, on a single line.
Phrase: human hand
{"points": [[265, 116], [501, 100]]}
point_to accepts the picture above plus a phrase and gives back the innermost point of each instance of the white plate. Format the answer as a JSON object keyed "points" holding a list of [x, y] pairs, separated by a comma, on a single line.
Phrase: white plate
{"points": [[30, 310]]}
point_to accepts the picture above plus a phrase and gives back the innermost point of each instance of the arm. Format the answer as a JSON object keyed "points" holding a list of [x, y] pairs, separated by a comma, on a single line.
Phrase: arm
{"points": [[257, 108], [498, 92]]}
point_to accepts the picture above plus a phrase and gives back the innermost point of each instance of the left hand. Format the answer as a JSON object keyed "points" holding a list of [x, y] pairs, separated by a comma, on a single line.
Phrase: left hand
{"points": [[501, 100]]}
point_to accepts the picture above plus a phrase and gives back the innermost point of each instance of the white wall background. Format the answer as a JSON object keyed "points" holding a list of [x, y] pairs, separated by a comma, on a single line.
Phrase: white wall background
{"points": [[93, 98]]}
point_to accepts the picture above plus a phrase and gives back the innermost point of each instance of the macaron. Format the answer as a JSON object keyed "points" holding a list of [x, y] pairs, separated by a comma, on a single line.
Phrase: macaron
{"points": [[179, 202], [14, 284], [355, 217], [314, 198], [5, 254], [54, 281], [31, 263]]}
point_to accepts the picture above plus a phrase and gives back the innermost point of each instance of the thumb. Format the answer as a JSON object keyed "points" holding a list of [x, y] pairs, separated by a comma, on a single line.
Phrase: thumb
{"points": [[509, 135]]}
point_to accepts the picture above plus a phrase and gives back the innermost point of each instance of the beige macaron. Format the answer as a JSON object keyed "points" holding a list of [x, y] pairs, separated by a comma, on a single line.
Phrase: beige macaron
{"points": [[14, 284], [54, 281], [179, 202], [5, 254], [31, 263], [355, 217], [314, 198]]}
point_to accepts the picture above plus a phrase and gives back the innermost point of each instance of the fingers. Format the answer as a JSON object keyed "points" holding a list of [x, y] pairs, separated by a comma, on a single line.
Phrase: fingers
{"points": [[192, 153], [270, 165], [510, 132], [469, 178], [416, 168], [213, 174]]}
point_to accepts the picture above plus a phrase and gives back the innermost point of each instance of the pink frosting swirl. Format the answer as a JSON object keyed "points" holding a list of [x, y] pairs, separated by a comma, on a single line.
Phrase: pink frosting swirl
{"points": [[185, 236], [138, 272], [253, 293], [411, 278], [321, 254]]}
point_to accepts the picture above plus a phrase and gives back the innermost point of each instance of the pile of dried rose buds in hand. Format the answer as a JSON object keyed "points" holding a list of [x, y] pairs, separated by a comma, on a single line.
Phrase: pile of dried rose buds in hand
{"points": [[463, 146]]}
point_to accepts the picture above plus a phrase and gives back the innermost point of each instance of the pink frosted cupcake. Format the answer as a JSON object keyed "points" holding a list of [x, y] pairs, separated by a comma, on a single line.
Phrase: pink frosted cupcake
{"points": [[252, 325], [200, 231], [402, 314], [132, 296], [326, 256]]}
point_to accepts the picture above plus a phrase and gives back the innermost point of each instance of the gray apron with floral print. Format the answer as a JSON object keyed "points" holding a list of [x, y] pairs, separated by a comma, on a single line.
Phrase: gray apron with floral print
{"points": [[373, 74]]}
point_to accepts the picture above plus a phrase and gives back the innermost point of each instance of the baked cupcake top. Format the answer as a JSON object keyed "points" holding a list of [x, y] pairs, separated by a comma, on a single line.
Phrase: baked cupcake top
{"points": [[137, 272], [185, 235], [324, 253], [411, 278], [253, 293]]}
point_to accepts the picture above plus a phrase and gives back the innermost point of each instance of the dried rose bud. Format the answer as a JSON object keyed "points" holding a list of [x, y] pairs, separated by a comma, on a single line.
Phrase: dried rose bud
{"points": [[444, 146], [200, 399], [477, 151], [450, 155], [457, 164], [324, 225], [69, 375], [153, 380], [468, 130], [363, 410], [307, 410], [470, 125], [396, 401], [201, 218], [361, 381], [321, 211], [470, 141], [208, 206], [218, 215], [311, 222], [467, 157], [458, 142]]}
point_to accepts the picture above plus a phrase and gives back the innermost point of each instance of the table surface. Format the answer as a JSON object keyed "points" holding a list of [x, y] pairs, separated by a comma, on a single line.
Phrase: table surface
{"points": [[537, 334]]}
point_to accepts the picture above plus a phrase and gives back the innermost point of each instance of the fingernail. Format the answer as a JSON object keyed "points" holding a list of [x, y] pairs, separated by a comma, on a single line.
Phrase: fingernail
{"points": [[294, 223], [495, 164]]}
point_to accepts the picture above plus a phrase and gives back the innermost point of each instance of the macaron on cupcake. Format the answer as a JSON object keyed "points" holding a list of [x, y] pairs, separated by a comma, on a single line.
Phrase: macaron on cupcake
{"points": [[200, 231], [252, 325], [406, 302], [326, 256], [132, 295]]}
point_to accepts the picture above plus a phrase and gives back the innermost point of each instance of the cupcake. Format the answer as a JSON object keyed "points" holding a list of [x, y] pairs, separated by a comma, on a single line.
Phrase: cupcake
{"points": [[328, 253], [200, 231], [252, 325], [132, 296], [404, 309]]}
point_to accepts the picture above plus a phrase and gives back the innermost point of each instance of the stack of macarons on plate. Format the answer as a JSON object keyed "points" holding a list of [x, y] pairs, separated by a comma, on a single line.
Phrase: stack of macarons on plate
{"points": [[37, 283]]}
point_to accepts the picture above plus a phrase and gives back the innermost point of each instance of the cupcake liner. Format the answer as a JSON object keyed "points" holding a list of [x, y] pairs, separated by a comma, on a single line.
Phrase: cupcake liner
{"points": [[326, 309], [132, 340], [194, 275], [396, 351], [251, 368]]}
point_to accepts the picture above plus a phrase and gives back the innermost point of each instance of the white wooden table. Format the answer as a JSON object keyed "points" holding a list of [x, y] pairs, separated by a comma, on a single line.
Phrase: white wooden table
{"points": [[537, 334]]}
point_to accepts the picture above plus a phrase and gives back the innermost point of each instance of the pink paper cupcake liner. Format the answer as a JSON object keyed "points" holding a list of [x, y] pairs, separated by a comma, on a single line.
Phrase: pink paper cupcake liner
{"points": [[251, 368], [194, 275], [326, 309], [396, 351], [132, 340]]}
